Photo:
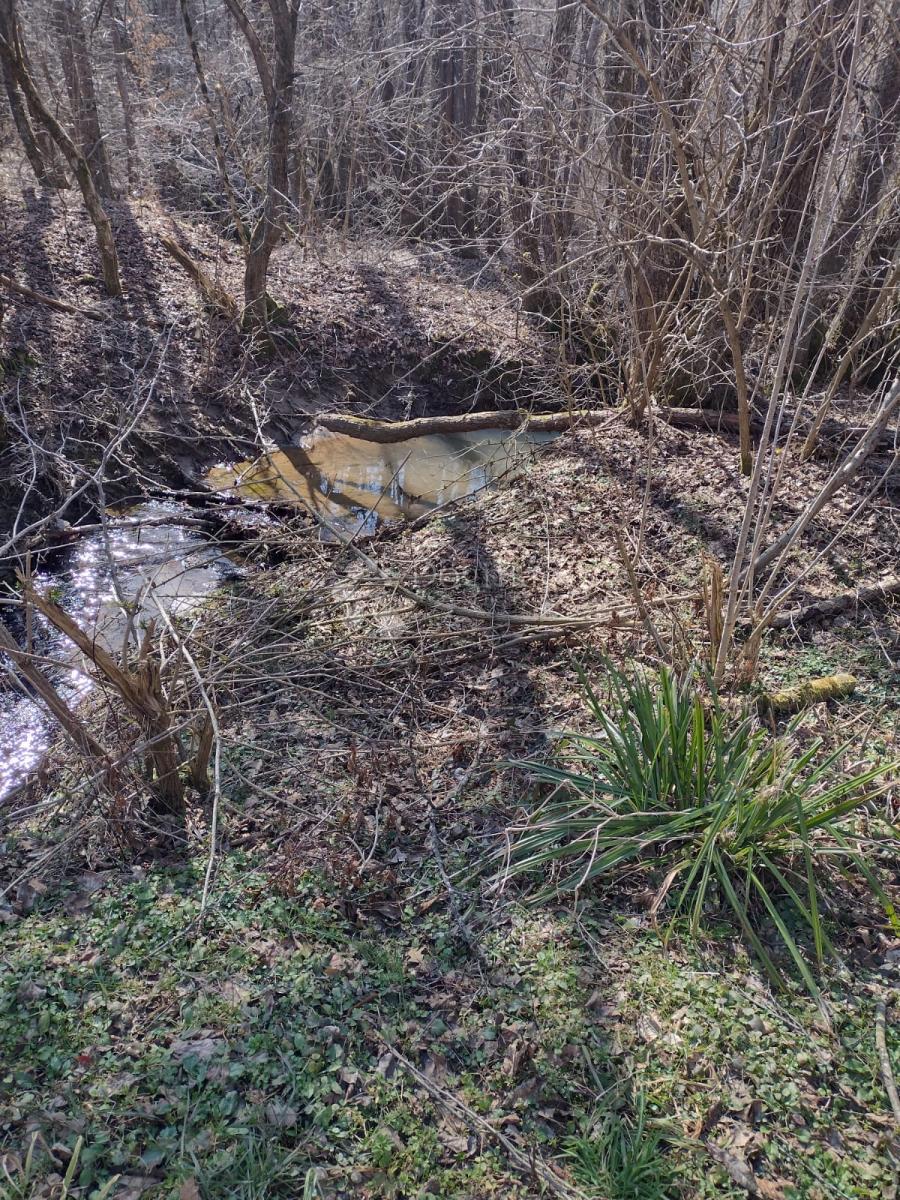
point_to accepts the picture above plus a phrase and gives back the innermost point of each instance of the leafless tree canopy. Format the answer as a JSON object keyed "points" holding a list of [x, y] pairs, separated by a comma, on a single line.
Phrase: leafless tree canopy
{"points": [[662, 180]]}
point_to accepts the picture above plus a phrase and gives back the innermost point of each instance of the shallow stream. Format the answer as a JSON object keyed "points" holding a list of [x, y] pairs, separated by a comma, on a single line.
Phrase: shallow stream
{"points": [[91, 582], [349, 484], [352, 485]]}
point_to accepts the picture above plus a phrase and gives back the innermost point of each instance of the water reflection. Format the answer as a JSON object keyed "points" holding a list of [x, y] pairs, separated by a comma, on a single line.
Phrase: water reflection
{"points": [[355, 484], [104, 573]]}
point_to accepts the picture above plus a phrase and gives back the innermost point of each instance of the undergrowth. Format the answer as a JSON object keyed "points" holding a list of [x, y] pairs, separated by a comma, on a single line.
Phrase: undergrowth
{"points": [[726, 814]]}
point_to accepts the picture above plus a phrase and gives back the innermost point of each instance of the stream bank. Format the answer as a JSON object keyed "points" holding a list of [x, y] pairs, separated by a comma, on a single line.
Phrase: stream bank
{"points": [[361, 737], [377, 329], [138, 564], [366, 699]]}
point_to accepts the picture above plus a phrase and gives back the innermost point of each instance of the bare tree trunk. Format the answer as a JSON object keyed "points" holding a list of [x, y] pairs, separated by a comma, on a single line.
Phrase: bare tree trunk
{"points": [[867, 205], [46, 169], [872, 168], [502, 78], [23, 125], [12, 53], [123, 69], [814, 91], [412, 21], [557, 111], [218, 149], [651, 213], [454, 90], [278, 88], [79, 77]]}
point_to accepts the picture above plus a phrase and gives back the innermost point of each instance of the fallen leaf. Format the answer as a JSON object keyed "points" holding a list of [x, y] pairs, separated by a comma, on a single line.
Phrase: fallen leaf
{"points": [[200, 1048], [337, 964], [232, 991], [648, 1027], [132, 1187], [282, 1116], [29, 990], [387, 1065]]}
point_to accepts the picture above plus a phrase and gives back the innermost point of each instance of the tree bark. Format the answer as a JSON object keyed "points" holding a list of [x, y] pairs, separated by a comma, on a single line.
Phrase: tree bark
{"points": [[79, 77], [109, 259], [22, 124], [872, 170], [123, 69], [44, 165], [813, 94], [278, 88], [218, 148]]}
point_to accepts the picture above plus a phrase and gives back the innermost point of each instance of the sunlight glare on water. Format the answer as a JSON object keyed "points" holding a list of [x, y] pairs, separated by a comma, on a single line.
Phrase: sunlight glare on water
{"points": [[101, 571]]}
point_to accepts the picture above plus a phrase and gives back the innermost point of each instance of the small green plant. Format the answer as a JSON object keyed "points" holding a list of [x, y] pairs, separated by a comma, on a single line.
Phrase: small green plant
{"points": [[726, 812], [29, 1181], [258, 1167], [621, 1157]]}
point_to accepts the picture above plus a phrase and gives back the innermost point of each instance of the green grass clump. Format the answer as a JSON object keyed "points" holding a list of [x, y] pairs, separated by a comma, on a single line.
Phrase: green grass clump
{"points": [[729, 814], [621, 1157]]}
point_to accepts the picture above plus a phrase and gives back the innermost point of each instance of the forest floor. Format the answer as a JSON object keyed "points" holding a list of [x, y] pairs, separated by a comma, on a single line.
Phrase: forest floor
{"points": [[357, 1011]]}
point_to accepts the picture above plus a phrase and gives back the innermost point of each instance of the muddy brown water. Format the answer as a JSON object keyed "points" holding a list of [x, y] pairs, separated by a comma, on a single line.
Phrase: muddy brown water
{"points": [[352, 485]]}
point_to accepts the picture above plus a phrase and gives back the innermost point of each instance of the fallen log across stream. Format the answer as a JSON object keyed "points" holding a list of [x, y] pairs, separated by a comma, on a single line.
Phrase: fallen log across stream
{"points": [[384, 432]]}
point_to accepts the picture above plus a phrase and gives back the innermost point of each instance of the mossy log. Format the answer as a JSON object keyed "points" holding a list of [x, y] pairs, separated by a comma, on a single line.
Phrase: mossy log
{"points": [[802, 695]]}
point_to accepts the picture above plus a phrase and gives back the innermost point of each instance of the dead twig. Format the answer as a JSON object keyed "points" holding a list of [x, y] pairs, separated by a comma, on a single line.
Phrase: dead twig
{"points": [[212, 292], [453, 893], [13, 285], [36, 679], [884, 1059], [529, 1164], [825, 607], [638, 595]]}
